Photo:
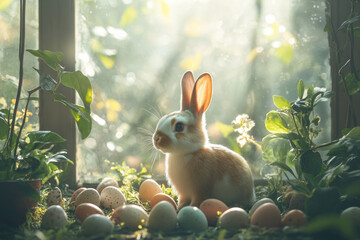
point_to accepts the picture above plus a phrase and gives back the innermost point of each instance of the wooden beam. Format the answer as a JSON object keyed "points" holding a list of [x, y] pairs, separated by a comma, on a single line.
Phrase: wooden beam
{"points": [[57, 33]]}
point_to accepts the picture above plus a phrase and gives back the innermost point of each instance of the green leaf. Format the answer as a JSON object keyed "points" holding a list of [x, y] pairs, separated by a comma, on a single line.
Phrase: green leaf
{"points": [[225, 130], [81, 84], [44, 137], [311, 162], [352, 85], [301, 89], [285, 53], [346, 23], [47, 83], [357, 31], [52, 59], [284, 167], [84, 123], [73, 107], [274, 123], [354, 133], [281, 102], [4, 128]]}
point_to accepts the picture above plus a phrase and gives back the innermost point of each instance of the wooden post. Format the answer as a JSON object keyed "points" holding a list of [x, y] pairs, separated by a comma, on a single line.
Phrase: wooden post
{"points": [[57, 33]]}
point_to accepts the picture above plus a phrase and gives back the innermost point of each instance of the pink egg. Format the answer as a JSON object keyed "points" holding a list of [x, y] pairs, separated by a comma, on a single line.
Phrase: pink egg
{"points": [[86, 209], [266, 216], [162, 197]]}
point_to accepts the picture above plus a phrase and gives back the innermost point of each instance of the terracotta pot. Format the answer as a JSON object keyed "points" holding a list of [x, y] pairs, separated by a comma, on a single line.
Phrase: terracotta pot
{"points": [[13, 201]]}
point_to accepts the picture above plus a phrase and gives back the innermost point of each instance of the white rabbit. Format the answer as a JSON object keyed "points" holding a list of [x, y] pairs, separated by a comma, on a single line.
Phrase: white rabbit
{"points": [[196, 169]]}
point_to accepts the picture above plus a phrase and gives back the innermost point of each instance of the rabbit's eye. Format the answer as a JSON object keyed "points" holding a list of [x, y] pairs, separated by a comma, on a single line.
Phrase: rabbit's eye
{"points": [[179, 127]]}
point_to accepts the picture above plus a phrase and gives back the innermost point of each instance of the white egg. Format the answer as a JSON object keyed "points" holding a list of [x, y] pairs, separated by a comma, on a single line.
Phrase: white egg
{"points": [[130, 216], [234, 218], [54, 197], [163, 217], [97, 225], [105, 183], [192, 219], [352, 214], [112, 197], [259, 203], [54, 218], [89, 195]]}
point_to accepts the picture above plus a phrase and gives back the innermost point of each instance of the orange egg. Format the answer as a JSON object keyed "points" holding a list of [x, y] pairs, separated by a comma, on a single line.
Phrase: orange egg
{"points": [[294, 218], [76, 193], [148, 189], [266, 216], [86, 209], [162, 197], [213, 208]]}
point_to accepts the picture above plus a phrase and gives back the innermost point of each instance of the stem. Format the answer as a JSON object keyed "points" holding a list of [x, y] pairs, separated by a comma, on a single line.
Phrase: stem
{"points": [[326, 144], [24, 118], [21, 71]]}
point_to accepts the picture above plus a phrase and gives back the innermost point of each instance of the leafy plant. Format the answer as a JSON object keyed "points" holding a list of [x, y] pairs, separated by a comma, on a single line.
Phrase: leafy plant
{"points": [[291, 148], [32, 155]]}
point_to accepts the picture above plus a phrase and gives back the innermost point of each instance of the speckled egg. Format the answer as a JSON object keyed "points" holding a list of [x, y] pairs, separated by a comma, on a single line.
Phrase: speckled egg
{"points": [[105, 183], [54, 218], [213, 208], [352, 214], [130, 216], [192, 219], [259, 203], [234, 219], [89, 195], [112, 197], [148, 189], [54, 197], [266, 216], [162, 197], [97, 225], [294, 218], [76, 194], [86, 209], [163, 217]]}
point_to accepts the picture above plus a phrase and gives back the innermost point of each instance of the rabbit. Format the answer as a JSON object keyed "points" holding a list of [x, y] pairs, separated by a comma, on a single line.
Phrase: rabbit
{"points": [[196, 169]]}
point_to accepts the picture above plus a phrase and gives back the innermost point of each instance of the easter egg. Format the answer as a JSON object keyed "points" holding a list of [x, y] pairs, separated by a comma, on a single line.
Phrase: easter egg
{"points": [[259, 203], [89, 195], [163, 217], [192, 219], [112, 197], [105, 183], [294, 217], [213, 208], [54, 218], [54, 197], [76, 194], [162, 197], [86, 209], [148, 189], [97, 225], [266, 216], [234, 219], [130, 216], [352, 214]]}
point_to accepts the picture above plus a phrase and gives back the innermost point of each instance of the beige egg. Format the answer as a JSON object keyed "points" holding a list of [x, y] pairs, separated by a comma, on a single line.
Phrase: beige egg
{"points": [[76, 194], [163, 217], [352, 215], [89, 195], [86, 209], [259, 203], [97, 225], [130, 216], [54, 197], [162, 197], [294, 218], [266, 216], [54, 218], [234, 219], [213, 208], [112, 197], [105, 183], [148, 189]]}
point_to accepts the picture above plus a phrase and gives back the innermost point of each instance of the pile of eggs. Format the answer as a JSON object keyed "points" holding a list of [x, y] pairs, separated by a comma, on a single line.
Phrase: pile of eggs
{"points": [[164, 215]]}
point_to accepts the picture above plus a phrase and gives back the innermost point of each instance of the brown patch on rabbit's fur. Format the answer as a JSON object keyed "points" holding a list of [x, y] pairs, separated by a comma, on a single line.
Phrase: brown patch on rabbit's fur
{"points": [[162, 140]]}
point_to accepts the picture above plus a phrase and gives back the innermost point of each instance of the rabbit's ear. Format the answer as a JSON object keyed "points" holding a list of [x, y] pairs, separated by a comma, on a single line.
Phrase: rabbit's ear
{"points": [[201, 95], [187, 85]]}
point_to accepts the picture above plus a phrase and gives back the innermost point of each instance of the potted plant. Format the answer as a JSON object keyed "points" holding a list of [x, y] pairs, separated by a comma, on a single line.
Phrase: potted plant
{"points": [[28, 159]]}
